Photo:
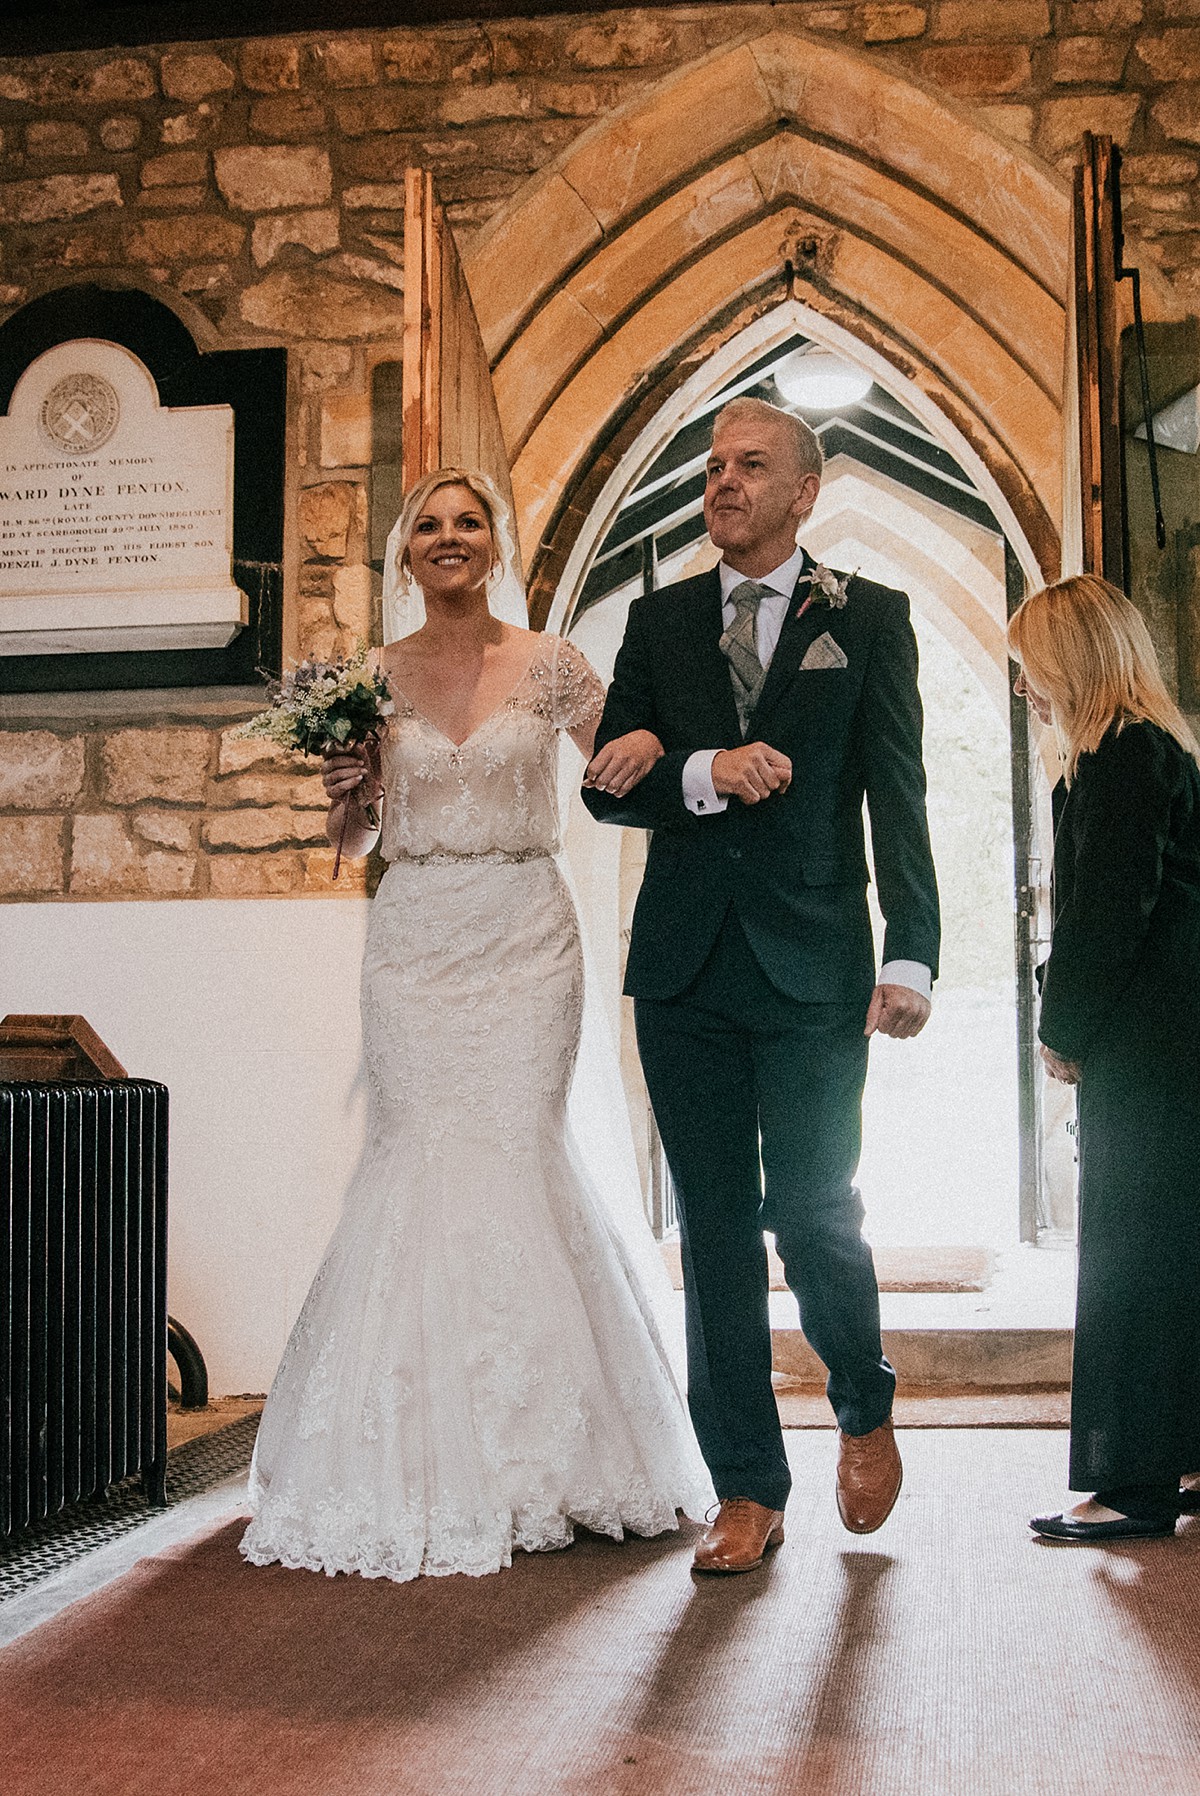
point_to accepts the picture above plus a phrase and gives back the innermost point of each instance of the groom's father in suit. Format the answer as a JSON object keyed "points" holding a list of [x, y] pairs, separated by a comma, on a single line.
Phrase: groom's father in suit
{"points": [[782, 696]]}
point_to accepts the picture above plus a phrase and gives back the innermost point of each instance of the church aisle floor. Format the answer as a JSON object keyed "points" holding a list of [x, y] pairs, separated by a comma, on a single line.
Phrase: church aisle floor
{"points": [[949, 1655]]}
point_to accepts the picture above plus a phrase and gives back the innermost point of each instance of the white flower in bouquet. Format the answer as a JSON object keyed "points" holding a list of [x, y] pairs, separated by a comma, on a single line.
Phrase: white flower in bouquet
{"points": [[322, 705]]}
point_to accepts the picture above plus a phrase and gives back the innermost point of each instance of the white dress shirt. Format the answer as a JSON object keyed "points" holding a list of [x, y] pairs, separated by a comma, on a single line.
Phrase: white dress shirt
{"points": [[701, 796]]}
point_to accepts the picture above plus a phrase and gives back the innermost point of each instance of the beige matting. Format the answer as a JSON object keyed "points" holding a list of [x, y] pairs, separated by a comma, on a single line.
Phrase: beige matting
{"points": [[929, 1269], [937, 1406], [949, 1655], [187, 1424]]}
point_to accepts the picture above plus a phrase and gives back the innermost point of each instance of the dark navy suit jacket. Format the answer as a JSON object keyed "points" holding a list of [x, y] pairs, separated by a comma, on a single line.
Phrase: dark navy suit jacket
{"points": [[793, 867]]}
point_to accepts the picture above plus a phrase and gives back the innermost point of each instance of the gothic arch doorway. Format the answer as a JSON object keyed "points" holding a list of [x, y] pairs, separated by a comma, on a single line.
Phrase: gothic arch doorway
{"points": [[780, 168], [943, 1155], [759, 345], [777, 185]]}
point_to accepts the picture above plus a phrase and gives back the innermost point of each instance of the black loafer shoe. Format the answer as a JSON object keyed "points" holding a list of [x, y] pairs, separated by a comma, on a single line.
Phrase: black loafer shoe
{"points": [[1126, 1527]]}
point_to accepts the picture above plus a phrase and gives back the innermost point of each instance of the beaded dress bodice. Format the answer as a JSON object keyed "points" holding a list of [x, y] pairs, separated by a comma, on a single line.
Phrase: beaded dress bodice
{"points": [[496, 792]]}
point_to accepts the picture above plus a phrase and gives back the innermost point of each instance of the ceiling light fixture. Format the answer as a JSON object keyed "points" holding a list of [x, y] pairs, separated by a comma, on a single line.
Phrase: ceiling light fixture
{"points": [[819, 381]]}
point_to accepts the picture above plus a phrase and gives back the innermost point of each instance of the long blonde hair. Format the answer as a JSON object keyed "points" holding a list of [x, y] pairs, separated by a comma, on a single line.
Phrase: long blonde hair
{"points": [[1086, 648]]}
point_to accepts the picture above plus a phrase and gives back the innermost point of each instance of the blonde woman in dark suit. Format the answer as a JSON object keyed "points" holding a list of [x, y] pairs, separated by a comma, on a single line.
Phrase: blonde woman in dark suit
{"points": [[1120, 1018]]}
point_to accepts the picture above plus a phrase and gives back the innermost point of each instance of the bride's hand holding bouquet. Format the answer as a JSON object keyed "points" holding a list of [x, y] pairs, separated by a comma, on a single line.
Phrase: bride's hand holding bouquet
{"points": [[335, 709], [347, 769]]}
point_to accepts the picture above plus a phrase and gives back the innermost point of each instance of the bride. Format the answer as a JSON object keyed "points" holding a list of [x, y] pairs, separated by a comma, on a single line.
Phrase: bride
{"points": [[479, 1364]]}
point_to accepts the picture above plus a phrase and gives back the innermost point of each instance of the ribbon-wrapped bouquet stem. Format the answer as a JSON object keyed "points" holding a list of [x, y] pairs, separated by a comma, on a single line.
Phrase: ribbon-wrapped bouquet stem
{"points": [[321, 706]]}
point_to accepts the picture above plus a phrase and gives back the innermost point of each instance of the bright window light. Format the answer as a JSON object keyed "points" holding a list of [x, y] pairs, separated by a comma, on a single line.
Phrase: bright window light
{"points": [[819, 381]]}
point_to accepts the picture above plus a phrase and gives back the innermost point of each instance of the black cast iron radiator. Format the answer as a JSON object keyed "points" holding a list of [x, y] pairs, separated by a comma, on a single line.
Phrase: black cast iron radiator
{"points": [[83, 1293]]}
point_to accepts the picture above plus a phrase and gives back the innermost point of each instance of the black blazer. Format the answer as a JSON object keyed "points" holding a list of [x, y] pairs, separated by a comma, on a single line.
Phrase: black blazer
{"points": [[1124, 959], [794, 867]]}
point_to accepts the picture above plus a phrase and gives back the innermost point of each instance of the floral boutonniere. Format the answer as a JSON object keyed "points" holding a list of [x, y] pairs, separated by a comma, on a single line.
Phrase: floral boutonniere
{"points": [[825, 588]]}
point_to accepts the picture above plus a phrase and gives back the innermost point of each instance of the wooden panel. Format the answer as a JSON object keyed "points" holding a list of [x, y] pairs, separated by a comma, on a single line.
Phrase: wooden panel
{"points": [[1101, 492], [449, 404], [470, 423], [420, 434], [36, 1048], [1188, 562]]}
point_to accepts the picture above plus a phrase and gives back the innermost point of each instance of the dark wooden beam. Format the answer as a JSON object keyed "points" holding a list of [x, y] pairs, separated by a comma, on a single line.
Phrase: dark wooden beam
{"points": [[1098, 363], [35, 27]]}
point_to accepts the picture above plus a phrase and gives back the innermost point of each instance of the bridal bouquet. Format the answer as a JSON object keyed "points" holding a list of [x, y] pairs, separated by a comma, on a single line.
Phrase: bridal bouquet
{"points": [[323, 705]]}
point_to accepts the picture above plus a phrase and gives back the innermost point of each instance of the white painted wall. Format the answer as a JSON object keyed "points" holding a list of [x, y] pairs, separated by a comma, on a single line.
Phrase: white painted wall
{"points": [[248, 1011]]}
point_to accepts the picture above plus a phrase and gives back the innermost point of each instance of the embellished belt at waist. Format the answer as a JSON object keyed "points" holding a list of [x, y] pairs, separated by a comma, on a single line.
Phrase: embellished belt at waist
{"points": [[442, 857]]}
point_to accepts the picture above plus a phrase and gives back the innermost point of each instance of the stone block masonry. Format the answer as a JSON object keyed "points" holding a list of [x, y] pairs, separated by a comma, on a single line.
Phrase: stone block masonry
{"points": [[258, 185], [274, 168], [163, 810]]}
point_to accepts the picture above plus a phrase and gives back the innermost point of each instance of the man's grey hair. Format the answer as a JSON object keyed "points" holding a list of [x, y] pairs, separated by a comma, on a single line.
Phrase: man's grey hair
{"points": [[810, 457]]}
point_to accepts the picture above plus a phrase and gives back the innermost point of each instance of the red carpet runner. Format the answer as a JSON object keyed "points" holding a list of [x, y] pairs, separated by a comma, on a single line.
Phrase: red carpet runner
{"points": [[949, 1655]]}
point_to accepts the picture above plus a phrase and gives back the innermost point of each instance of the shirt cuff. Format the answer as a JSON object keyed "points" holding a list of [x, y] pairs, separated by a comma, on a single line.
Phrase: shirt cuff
{"points": [[911, 973], [699, 794]]}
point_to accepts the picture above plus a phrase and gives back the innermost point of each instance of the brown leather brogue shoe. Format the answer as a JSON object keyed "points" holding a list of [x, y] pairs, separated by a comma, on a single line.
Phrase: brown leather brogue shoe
{"points": [[869, 1475], [741, 1534]]}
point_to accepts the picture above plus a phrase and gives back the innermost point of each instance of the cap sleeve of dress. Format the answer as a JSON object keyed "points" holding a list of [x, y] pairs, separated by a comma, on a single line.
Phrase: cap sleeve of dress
{"points": [[375, 666], [578, 689]]}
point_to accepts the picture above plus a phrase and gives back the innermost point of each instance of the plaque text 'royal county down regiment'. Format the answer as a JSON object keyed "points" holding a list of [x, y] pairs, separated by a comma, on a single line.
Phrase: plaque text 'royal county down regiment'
{"points": [[116, 513]]}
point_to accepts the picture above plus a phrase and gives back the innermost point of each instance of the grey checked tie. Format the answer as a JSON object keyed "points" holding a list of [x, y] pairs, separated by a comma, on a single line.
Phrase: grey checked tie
{"points": [[740, 649]]}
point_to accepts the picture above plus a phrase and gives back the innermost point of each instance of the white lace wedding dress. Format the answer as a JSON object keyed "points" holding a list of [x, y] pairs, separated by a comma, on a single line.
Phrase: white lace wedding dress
{"points": [[477, 1366]]}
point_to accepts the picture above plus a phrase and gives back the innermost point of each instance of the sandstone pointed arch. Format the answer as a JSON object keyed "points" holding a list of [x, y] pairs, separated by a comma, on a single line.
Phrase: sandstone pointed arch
{"points": [[933, 558], [940, 246]]}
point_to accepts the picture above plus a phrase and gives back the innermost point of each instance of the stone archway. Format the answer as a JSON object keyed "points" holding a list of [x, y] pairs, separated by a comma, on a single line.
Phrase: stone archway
{"points": [[936, 245], [932, 557]]}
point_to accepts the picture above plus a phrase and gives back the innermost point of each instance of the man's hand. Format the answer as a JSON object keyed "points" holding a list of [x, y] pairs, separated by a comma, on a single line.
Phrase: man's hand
{"points": [[1067, 1072], [750, 773], [897, 1010], [622, 763]]}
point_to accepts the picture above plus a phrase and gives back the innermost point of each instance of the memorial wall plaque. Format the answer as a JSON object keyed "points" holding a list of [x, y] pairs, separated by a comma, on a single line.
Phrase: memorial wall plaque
{"points": [[116, 513]]}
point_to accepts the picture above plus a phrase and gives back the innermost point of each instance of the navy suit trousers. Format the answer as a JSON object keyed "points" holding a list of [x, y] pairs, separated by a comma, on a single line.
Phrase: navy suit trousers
{"points": [[758, 1099]]}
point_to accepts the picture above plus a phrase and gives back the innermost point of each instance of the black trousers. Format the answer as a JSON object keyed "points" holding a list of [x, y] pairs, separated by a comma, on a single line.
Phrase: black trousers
{"points": [[758, 1100], [1135, 1380]]}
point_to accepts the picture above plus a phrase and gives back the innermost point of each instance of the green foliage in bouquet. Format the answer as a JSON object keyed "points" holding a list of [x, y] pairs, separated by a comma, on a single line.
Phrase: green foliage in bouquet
{"points": [[323, 704]]}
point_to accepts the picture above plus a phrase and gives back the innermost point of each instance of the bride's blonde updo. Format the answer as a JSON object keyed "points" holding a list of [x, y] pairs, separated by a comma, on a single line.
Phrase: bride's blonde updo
{"points": [[483, 488], [403, 602]]}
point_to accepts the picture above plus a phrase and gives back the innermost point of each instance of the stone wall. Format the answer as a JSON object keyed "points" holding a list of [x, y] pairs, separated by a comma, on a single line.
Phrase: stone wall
{"points": [[168, 808], [258, 186]]}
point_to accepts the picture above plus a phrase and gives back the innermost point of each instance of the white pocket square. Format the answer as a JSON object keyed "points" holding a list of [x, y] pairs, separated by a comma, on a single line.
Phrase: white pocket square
{"points": [[824, 652]]}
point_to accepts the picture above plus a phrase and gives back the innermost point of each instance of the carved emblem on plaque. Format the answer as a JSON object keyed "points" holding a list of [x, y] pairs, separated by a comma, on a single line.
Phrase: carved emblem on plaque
{"points": [[80, 413], [116, 512]]}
